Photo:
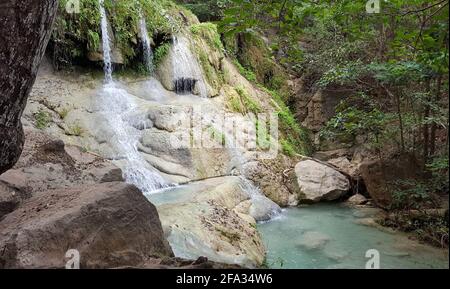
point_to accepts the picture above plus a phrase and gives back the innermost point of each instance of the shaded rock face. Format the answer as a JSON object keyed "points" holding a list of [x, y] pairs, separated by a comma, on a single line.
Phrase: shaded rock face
{"points": [[46, 164], [110, 224], [22, 45], [315, 109], [319, 182], [382, 177]]}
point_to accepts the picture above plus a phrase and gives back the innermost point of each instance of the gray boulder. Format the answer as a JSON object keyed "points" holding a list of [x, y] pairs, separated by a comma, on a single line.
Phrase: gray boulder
{"points": [[319, 182], [110, 224]]}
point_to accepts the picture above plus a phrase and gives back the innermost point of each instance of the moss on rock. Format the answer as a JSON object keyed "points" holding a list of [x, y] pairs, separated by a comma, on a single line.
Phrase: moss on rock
{"points": [[77, 34]]}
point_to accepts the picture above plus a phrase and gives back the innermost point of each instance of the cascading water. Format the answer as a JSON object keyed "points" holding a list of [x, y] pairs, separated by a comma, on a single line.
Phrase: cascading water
{"points": [[105, 42], [122, 116], [259, 201], [187, 73], [148, 53]]}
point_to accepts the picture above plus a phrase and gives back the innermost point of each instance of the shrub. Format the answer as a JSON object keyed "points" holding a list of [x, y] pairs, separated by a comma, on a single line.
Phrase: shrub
{"points": [[43, 119]]}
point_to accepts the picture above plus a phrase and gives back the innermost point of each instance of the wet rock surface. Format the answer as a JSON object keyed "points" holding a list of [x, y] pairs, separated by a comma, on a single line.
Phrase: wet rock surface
{"points": [[213, 218]]}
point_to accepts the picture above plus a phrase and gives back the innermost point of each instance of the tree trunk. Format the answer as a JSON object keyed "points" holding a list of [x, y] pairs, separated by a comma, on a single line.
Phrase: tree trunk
{"points": [[426, 127], [437, 97], [25, 28]]}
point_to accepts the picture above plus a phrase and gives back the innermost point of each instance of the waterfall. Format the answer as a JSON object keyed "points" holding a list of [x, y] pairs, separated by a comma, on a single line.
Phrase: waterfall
{"points": [[105, 41], [259, 200], [148, 53], [188, 76], [121, 115]]}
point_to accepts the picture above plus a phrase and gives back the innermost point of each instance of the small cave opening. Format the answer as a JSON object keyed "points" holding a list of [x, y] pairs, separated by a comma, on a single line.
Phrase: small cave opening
{"points": [[184, 85]]}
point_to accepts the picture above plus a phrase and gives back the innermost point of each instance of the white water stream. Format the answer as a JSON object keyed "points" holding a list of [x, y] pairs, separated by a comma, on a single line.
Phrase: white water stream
{"points": [[148, 53], [187, 74], [122, 116]]}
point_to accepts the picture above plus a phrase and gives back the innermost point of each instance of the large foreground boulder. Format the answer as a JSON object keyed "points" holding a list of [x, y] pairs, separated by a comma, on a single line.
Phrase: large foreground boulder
{"points": [[25, 28], [110, 224], [383, 177], [320, 182]]}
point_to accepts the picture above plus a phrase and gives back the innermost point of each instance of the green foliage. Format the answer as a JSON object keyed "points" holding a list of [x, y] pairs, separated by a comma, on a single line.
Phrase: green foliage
{"points": [[206, 10], [295, 137], [411, 194], [399, 58], [254, 60], [341, 74], [75, 35], [207, 42], [287, 148], [429, 228], [248, 74], [214, 78], [217, 135], [243, 102], [42, 119], [75, 130], [250, 104], [353, 120], [264, 139], [208, 31], [63, 112], [161, 52], [93, 40], [234, 104]]}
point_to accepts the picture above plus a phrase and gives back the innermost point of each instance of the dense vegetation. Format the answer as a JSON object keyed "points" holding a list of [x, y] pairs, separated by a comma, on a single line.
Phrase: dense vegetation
{"points": [[392, 67], [77, 35]]}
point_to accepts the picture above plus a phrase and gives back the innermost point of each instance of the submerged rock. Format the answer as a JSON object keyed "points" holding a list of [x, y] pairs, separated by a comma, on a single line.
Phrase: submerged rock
{"points": [[319, 182], [357, 200], [313, 240], [110, 224]]}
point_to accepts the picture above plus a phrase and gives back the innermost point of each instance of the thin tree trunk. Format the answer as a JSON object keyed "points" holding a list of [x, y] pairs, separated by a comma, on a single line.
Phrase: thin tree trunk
{"points": [[433, 125], [400, 121], [25, 28], [426, 127], [398, 101]]}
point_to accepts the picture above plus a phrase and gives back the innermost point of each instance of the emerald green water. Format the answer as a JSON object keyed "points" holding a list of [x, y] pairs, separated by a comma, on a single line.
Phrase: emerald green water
{"points": [[329, 236]]}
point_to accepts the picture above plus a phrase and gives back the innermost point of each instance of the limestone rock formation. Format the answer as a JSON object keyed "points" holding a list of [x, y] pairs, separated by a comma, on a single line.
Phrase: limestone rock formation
{"points": [[22, 45], [213, 218], [110, 224], [319, 182], [47, 163]]}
